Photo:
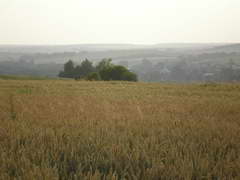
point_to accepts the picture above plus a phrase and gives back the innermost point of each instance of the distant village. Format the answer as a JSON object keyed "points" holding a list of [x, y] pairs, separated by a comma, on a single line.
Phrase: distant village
{"points": [[151, 65]]}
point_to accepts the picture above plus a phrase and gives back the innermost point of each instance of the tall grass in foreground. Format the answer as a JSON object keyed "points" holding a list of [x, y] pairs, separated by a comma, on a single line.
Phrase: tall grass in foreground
{"points": [[86, 130]]}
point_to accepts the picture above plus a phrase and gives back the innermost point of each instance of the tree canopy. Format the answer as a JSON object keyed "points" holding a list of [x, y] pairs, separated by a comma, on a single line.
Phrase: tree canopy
{"points": [[104, 70]]}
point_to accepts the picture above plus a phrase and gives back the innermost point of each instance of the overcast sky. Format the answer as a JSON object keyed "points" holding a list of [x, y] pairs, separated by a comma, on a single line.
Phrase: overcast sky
{"points": [[118, 21]]}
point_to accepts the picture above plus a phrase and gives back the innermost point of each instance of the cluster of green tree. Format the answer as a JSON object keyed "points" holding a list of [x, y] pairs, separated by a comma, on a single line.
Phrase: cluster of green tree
{"points": [[104, 70]]}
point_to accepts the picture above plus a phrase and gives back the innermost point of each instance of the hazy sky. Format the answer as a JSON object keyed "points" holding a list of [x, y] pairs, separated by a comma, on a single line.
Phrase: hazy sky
{"points": [[118, 21]]}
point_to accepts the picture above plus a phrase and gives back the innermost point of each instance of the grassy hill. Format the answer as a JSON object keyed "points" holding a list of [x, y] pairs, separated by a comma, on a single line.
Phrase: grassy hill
{"points": [[57, 129]]}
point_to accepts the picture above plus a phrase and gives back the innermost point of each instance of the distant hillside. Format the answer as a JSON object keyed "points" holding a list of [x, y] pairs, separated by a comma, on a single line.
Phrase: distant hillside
{"points": [[69, 48], [227, 48], [99, 47]]}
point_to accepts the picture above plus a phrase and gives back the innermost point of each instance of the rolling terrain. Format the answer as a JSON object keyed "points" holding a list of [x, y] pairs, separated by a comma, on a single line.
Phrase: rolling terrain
{"points": [[177, 62]]}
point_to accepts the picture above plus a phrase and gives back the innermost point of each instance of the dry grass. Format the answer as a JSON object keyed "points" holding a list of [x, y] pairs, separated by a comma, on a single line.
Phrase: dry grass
{"points": [[56, 129]]}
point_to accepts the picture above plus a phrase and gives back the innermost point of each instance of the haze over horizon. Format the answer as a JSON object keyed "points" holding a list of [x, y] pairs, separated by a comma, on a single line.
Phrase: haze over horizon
{"points": [[150, 22]]}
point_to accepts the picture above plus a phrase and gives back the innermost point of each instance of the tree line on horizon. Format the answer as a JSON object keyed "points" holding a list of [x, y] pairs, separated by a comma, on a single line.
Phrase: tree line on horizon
{"points": [[105, 70]]}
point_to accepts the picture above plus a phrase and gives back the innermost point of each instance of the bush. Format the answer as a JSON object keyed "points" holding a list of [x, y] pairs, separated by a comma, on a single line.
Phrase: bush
{"points": [[129, 76], [93, 77], [117, 73]]}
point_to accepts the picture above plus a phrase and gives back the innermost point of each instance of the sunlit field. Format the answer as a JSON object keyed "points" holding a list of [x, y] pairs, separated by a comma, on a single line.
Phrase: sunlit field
{"points": [[66, 129]]}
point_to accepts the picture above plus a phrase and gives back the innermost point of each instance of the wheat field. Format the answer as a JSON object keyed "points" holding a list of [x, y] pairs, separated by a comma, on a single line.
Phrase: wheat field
{"points": [[68, 130]]}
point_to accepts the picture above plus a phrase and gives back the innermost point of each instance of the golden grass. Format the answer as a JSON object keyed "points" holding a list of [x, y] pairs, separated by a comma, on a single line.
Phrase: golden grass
{"points": [[56, 129]]}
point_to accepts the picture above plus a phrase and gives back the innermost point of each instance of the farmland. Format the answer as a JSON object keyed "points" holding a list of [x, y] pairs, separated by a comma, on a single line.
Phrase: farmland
{"points": [[66, 129]]}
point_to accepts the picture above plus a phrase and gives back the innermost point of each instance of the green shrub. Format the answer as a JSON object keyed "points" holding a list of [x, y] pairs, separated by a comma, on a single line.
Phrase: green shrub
{"points": [[117, 73], [94, 76]]}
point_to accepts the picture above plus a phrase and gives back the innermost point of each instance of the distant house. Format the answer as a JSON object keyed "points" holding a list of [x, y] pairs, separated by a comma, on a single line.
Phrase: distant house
{"points": [[208, 77], [164, 73]]}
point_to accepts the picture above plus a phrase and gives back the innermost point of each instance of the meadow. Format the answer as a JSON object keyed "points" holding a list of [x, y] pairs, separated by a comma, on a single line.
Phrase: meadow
{"points": [[68, 130]]}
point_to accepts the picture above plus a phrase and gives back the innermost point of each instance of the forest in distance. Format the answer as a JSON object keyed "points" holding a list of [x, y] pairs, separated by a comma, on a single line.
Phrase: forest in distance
{"points": [[160, 63]]}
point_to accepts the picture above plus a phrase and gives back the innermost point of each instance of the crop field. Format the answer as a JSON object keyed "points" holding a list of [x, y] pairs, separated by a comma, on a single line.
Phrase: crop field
{"points": [[69, 130]]}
